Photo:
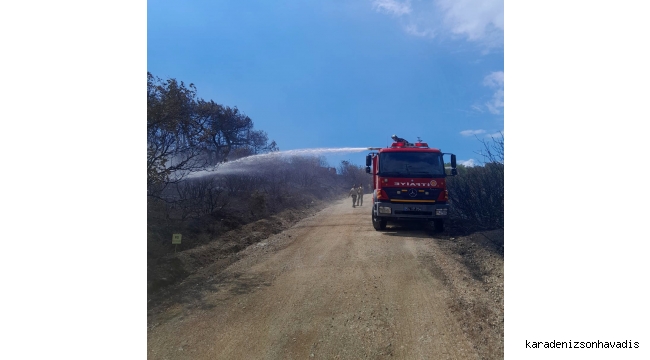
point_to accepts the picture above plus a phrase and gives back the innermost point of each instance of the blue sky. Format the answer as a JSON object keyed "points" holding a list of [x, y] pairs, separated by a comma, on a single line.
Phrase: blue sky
{"points": [[332, 74]]}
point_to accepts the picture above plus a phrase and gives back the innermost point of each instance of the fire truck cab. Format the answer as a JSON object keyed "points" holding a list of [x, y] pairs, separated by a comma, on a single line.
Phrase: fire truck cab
{"points": [[409, 183]]}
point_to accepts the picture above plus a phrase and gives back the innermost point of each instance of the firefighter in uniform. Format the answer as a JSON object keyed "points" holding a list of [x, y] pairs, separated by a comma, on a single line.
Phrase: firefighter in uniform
{"points": [[353, 193], [360, 195]]}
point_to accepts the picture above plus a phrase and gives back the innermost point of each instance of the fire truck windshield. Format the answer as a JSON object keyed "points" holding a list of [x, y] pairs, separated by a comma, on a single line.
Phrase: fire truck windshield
{"points": [[411, 164]]}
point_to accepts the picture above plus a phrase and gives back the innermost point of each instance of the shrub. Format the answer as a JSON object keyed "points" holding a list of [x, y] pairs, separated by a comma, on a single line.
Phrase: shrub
{"points": [[477, 193]]}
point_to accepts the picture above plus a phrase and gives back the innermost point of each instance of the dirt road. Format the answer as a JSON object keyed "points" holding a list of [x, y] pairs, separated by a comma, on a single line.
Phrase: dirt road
{"points": [[332, 287]]}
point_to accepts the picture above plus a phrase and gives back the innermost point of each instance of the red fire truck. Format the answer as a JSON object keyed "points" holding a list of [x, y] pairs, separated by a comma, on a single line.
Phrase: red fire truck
{"points": [[408, 182]]}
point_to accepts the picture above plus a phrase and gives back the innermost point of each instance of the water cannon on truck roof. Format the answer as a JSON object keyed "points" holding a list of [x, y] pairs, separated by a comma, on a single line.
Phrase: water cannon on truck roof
{"points": [[408, 182]]}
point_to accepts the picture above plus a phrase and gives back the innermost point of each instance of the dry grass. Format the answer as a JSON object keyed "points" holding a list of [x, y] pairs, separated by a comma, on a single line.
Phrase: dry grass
{"points": [[471, 267]]}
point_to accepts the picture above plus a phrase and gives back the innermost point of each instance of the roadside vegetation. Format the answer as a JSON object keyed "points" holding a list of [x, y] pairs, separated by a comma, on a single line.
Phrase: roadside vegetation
{"points": [[186, 135], [477, 193]]}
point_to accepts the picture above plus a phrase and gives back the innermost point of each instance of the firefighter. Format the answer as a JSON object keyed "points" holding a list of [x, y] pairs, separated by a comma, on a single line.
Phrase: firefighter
{"points": [[360, 195], [353, 193]]}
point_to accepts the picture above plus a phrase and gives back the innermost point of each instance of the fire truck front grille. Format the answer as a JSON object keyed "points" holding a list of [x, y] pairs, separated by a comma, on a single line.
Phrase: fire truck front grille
{"points": [[412, 194]]}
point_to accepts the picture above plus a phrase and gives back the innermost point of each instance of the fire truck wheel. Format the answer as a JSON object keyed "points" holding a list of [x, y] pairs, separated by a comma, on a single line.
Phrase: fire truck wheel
{"points": [[378, 224]]}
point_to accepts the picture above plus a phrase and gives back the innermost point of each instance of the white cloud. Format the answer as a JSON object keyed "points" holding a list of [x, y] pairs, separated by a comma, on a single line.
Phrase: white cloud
{"points": [[472, 132], [393, 7], [468, 163], [496, 102], [413, 30], [495, 81], [475, 20], [495, 135]]}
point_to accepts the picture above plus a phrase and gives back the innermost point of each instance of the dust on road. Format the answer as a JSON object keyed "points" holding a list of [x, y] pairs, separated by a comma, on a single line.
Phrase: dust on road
{"points": [[331, 287]]}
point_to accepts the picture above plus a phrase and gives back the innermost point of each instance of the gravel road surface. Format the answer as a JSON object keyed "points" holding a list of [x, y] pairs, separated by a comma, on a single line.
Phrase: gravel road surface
{"points": [[331, 287]]}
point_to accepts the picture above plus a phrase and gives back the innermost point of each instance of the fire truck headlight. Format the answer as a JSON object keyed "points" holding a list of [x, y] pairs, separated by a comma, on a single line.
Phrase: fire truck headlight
{"points": [[384, 210], [441, 212]]}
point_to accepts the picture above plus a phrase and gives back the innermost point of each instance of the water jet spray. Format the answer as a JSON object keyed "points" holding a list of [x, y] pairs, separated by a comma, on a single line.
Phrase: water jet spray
{"points": [[250, 163]]}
